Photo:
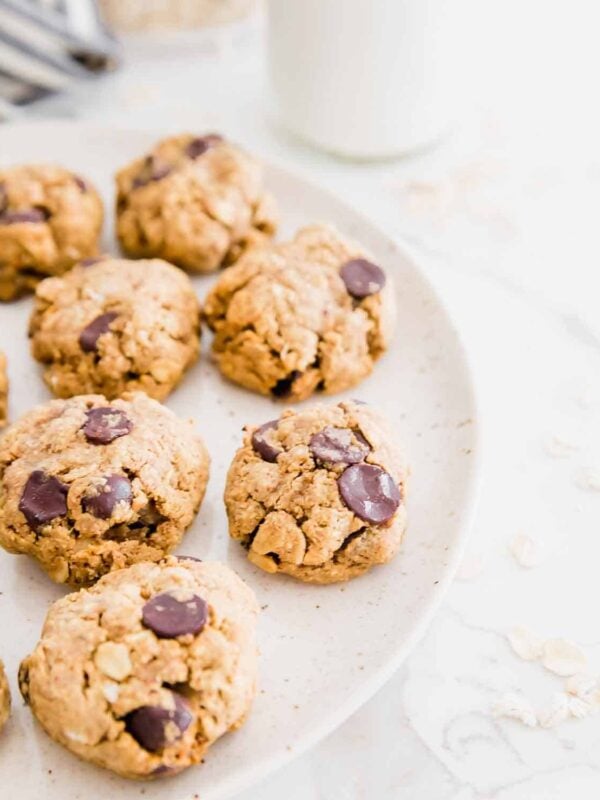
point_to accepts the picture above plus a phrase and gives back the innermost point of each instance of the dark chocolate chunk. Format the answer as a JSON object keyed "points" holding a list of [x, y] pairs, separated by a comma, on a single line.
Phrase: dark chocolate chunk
{"points": [[169, 617], [369, 492], [261, 445], [155, 727], [338, 446], [88, 338], [362, 278], [44, 498], [115, 489], [104, 425]]}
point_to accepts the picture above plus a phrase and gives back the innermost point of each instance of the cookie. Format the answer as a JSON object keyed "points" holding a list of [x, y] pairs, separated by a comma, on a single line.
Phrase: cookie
{"points": [[144, 671], [197, 201], [3, 391], [89, 485], [50, 219], [113, 326], [318, 494], [312, 314], [4, 697]]}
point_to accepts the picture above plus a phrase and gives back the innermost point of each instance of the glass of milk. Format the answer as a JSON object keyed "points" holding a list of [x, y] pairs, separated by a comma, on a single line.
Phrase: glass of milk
{"points": [[362, 78]]}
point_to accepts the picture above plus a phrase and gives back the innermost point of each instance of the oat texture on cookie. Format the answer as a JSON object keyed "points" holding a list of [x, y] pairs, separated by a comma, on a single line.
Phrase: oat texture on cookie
{"points": [[3, 390], [89, 485], [197, 201], [144, 671], [4, 697], [50, 219], [115, 325], [313, 314], [318, 494]]}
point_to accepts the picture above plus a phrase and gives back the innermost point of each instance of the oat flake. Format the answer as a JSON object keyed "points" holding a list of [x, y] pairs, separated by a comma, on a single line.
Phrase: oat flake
{"points": [[563, 657], [514, 706], [526, 644], [524, 550]]}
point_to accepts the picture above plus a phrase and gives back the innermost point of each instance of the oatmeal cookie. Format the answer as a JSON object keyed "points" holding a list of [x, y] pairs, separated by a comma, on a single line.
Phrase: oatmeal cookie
{"points": [[144, 671], [115, 325], [311, 314], [318, 494], [198, 202], [88, 486], [3, 391], [4, 697], [50, 219]]}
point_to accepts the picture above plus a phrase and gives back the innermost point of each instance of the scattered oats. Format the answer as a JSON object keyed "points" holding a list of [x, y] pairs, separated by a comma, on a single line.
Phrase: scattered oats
{"points": [[514, 706], [559, 446], [470, 568], [526, 644], [563, 657], [524, 550], [589, 479], [557, 713], [581, 685], [579, 708]]}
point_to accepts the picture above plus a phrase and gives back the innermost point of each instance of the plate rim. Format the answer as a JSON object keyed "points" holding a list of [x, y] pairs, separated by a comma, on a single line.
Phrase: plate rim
{"points": [[252, 774]]}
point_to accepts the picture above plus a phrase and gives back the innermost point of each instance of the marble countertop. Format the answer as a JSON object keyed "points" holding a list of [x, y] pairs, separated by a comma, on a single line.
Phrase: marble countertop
{"points": [[504, 216]]}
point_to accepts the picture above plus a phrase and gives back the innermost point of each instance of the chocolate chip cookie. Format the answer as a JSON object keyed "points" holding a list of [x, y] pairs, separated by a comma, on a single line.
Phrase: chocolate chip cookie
{"points": [[144, 671], [3, 391], [89, 485], [312, 314], [115, 325], [197, 201], [50, 219], [4, 697], [318, 494]]}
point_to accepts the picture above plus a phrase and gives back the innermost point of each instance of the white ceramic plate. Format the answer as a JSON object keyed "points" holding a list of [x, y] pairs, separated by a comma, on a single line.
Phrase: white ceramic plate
{"points": [[324, 650]]}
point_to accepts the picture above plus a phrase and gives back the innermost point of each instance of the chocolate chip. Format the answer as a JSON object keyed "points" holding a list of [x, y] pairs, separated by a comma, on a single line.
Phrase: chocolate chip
{"points": [[201, 144], [81, 183], [283, 388], [104, 425], [338, 446], [44, 498], [153, 726], [89, 262], [260, 444], [362, 278], [169, 617], [31, 215], [115, 489], [153, 170], [188, 558], [88, 338], [369, 492]]}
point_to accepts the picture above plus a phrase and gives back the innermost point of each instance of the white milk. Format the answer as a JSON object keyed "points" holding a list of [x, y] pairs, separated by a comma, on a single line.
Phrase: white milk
{"points": [[361, 78]]}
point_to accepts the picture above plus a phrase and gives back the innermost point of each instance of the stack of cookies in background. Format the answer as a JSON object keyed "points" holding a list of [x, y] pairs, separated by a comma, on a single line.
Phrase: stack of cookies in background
{"points": [[154, 657]]}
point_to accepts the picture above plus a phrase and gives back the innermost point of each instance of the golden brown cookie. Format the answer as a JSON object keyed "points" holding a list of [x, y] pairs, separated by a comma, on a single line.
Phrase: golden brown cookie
{"points": [[115, 325], [89, 485], [3, 391], [318, 494], [198, 202], [144, 671], [313, 314], [4, 697], [50, 219]]}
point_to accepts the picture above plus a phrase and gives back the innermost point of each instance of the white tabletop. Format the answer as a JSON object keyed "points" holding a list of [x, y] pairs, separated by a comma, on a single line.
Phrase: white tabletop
{"points": [[505, 217]]}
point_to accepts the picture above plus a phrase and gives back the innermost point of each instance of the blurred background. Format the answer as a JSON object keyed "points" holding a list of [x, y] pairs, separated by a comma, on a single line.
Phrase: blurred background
{"points": [[470, 130]]}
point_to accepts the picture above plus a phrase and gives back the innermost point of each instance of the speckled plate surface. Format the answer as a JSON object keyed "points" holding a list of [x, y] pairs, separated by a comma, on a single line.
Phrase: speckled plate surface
{"points": [[324, 650]]}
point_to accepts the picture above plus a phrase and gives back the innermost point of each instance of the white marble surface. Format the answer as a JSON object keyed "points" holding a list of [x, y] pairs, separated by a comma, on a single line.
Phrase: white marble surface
{"points": [[505, 218]]}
